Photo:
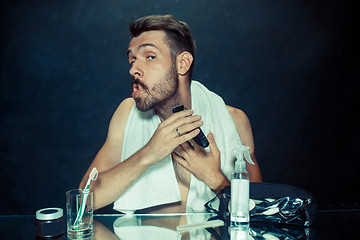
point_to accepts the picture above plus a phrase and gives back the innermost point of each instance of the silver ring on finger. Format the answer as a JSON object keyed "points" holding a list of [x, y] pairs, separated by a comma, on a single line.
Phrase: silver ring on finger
{"points": [[178, 132]]}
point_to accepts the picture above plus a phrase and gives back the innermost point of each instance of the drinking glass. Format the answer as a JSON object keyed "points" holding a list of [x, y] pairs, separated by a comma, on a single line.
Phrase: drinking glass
{"points": [[79, 208]]}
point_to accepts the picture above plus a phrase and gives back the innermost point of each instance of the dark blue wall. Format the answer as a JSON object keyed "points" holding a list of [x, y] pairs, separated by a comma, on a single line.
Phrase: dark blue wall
{"points": [[292, 66]]}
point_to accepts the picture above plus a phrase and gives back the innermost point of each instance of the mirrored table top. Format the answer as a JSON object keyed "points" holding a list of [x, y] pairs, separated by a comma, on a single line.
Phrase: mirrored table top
{"points": [[327, 225]]}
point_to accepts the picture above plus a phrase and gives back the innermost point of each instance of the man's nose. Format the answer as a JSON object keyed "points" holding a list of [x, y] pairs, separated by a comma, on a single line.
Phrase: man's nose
{"points": [[136, 70]]}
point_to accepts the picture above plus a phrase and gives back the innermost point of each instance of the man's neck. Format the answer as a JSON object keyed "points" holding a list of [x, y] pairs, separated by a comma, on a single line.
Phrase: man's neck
{"points": [[183, 96]]}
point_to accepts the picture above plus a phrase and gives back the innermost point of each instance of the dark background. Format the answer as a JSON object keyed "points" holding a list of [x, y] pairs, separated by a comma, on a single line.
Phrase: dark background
{"points": [[292, 66]]}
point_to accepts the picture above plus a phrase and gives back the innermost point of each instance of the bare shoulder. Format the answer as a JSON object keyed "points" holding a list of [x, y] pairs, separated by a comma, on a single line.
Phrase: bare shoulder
{"points": [[118, 120], [240, 118], [110, 153], [243, 127], [124, 109]]}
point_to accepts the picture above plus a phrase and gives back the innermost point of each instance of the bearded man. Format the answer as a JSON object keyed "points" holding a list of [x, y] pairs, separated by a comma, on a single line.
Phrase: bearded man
{"points": [[149, 160]]}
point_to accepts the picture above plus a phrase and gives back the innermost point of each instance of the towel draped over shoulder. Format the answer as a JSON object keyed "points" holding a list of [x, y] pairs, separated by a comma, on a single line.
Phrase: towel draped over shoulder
{"points": [[158, 184]]}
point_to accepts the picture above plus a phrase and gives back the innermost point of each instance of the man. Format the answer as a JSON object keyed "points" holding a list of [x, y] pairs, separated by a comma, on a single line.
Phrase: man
{"points": [[149, 142]]}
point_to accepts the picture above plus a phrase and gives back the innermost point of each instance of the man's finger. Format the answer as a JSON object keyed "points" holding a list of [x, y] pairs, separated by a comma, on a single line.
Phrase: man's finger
{"points": [[179, 159], [212, 144]]}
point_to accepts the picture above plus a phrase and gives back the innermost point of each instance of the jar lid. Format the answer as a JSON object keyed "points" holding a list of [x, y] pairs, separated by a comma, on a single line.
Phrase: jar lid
{"points": [[49, 213]]}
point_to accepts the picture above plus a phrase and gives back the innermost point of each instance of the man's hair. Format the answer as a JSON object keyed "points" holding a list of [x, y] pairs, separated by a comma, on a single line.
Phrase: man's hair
{"points": [[179, 38]]}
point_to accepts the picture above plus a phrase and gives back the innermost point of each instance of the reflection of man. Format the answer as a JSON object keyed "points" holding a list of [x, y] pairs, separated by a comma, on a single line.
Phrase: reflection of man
{"points": [[149, 157]]}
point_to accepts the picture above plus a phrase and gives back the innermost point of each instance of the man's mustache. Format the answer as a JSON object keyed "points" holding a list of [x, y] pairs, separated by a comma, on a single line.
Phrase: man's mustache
{"points": [[137, 81]]}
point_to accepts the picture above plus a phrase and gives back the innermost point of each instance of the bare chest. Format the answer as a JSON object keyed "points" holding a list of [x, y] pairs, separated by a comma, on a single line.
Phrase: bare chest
{"points": [[183, 176]]}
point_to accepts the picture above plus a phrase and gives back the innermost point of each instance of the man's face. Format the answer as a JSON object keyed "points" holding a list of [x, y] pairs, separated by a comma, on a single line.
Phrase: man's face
{"points": [[153, 72]]}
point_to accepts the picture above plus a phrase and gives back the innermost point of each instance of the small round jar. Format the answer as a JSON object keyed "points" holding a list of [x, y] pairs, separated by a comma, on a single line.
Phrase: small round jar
{"points": [[49, 223]]}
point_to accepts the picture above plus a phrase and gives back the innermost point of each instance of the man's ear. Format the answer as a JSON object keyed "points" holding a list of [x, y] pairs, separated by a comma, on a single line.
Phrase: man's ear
{"points": [[184, 61]]}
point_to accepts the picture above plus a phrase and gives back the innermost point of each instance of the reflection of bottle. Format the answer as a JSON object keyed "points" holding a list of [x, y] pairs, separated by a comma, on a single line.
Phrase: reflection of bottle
{"points": [[240, 189], [240, 233]]}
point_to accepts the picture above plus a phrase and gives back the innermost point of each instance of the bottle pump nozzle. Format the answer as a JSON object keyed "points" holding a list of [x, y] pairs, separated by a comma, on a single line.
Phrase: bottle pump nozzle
{"points": [[240, 151]]}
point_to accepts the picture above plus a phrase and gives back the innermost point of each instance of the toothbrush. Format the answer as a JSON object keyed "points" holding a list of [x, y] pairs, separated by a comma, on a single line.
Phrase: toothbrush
{"points": [[92, 177]]}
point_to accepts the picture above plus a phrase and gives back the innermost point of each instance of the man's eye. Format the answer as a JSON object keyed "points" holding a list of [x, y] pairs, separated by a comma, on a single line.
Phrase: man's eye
{"points": [[151, 57]]}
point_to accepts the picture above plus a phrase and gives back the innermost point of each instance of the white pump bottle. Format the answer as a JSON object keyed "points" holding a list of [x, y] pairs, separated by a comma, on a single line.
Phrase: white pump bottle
{"points": [[240, 188]]}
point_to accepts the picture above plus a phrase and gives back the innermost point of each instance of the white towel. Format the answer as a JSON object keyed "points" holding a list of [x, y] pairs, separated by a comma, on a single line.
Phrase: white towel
{"points": [[158, 184]]}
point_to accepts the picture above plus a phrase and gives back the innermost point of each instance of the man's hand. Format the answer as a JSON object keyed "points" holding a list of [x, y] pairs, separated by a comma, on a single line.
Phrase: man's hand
{"points": [[166, 137], [204, 165]]}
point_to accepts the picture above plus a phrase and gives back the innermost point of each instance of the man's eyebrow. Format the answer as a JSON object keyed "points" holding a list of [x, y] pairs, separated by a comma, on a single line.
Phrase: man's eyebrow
{"points": [[143, 46]]}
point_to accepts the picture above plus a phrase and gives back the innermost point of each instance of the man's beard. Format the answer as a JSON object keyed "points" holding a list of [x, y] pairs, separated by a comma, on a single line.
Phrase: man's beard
{"points": [[159, 93]]}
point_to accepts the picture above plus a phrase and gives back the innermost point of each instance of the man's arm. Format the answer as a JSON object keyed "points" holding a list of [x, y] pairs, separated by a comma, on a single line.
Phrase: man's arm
{"points": [[243, 127], [115, 176], [109, 155]]}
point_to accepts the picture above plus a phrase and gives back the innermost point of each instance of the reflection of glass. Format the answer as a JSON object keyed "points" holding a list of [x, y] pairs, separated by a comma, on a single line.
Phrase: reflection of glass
{"points": [[84, 228]]}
